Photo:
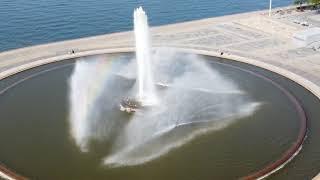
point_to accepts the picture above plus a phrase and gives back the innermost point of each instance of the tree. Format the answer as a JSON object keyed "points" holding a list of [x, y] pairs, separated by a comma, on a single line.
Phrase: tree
{"points": [[315, 3]]}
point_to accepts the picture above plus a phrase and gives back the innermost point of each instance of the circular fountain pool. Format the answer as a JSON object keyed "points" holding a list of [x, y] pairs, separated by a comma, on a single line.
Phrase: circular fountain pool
{"points": [[214, 120]]}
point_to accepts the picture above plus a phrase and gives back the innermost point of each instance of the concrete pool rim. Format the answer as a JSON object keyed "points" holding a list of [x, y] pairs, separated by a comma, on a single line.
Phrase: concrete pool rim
{"points": [[270, 169]]}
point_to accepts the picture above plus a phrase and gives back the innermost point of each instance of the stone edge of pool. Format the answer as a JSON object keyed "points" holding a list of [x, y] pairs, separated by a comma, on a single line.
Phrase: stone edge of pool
{"points": [[6, 173]]}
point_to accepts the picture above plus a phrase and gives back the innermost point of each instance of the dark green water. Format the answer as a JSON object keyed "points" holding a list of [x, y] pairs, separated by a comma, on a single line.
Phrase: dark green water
{"points": [[34, 129], [306, 165]]}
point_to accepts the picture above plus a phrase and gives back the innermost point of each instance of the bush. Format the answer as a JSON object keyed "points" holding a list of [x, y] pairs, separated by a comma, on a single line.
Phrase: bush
{"points": [[314, 3]]}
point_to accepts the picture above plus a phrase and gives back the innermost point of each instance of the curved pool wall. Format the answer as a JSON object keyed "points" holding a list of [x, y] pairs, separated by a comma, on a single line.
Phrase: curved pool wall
{"points": [[294, 150], [9, 174], [271, 168], [298, 79]]}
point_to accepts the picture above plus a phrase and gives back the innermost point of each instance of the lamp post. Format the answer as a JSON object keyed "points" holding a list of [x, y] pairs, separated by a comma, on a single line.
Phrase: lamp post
{"points": [[270, 7]]}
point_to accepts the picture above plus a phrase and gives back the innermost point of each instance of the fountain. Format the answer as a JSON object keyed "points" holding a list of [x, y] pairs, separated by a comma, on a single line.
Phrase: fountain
{"points": [[146, 87], [206, 115], [189, 106]]}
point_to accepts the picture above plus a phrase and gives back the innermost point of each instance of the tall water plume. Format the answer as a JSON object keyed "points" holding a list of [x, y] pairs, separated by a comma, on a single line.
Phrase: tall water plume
{"points": [[146, 88]]}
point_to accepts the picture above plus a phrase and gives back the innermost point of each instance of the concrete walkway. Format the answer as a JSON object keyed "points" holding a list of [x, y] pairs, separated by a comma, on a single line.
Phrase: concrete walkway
{"points": [[251, 37]]}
